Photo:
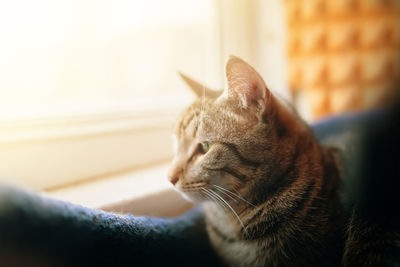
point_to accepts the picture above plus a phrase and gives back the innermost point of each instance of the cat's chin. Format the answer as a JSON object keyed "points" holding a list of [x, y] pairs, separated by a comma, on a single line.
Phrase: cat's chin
{"points": [[193, 196]]}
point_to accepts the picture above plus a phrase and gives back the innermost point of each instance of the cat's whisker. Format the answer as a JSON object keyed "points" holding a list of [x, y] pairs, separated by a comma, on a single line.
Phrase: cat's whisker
{"points": [[196, 119], [230, 207], [236, 195], [207, 194], [226, 194], [211, 196], [216, 200], [244, 198], [203, 99]]}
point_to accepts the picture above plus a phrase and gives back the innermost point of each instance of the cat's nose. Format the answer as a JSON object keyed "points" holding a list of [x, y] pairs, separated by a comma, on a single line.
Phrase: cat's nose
{"points": [[173, 176], [173, 179]]}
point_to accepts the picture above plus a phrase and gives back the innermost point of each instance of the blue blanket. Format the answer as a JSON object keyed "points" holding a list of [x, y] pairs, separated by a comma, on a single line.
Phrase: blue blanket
{"points": [[35, 231]]}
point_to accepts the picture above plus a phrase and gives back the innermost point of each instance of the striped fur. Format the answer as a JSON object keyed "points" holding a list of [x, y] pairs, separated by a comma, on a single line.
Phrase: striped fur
{"points": [[270, 189]]}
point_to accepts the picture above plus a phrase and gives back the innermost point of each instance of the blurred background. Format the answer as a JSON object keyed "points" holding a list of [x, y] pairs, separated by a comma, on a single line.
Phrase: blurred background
{"points": [[89, 91]]}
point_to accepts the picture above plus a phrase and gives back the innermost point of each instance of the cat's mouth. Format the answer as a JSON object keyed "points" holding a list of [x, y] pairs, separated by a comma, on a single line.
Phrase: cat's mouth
{"points": [[194, 192], [202, 192]]}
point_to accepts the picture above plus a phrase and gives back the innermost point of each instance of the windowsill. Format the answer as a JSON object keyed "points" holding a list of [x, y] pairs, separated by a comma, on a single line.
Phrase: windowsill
{"points": [[95, 161], [80, 148], [142, 192]]}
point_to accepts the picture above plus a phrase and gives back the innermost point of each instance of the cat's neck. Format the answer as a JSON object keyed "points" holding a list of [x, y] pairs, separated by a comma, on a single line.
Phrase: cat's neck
{"points": [[311, 182], [222, 221]]}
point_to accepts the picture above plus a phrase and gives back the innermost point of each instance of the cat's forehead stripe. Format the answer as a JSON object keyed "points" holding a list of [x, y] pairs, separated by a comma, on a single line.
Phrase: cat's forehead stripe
{"points": [[189, 122]]}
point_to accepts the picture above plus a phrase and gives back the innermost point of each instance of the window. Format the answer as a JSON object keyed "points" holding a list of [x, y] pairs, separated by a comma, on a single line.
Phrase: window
{"points": [[89, 88]]}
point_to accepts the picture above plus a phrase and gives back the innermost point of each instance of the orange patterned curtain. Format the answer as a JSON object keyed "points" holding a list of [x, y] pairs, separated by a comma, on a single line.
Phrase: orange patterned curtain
{"points": [[343, 54]]}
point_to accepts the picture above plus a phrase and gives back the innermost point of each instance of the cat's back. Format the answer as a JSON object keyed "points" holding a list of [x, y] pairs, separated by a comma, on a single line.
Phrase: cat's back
{"points": [[368, 145]]}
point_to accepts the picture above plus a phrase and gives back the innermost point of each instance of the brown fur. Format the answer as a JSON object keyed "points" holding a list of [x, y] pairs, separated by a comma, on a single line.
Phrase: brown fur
{"points": [[270, 189]]}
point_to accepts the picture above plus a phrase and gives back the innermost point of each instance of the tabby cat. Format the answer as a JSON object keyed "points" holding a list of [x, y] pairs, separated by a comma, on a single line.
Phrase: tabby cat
{"points": [[270, 190]]}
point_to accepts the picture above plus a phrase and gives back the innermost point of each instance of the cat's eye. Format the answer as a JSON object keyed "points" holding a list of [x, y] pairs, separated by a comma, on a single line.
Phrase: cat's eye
{"points": [[205, 147]]}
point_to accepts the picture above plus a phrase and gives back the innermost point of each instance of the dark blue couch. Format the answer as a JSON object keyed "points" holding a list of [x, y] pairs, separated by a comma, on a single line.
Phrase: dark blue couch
{"points": [[35, 231]]}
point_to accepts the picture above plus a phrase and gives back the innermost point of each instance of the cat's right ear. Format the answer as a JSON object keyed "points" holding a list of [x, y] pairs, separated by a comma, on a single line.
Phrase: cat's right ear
{"points": [[245, 84], [199, 89]]}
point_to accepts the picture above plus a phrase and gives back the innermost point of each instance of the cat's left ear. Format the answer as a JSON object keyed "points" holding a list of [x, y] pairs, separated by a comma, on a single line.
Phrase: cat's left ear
{"points": [[199, 89], [246, 84]]}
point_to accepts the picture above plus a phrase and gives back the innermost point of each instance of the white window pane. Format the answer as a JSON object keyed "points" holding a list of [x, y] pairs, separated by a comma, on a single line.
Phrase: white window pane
{"points": [[62, 57]]}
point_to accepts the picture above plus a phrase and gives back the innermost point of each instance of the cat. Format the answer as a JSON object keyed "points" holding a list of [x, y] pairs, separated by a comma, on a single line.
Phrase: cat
{"points": [[270, 191]]}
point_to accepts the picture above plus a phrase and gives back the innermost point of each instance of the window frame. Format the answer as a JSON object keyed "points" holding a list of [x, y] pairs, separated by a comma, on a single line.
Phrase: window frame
{"points": [[45, 154], [48, 154]]}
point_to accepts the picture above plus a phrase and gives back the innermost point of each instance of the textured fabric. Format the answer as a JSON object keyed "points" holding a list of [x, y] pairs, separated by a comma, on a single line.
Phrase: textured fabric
{"points": [[35, 231]]}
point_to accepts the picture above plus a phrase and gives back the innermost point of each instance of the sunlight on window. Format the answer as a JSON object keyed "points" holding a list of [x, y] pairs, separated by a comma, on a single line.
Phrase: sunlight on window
{"points": [[67, 57], [89, 89]]}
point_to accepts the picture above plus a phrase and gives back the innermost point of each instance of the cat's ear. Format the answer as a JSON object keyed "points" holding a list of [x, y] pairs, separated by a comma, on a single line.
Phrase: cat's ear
{"points": [[199, 89], [246, 84]]}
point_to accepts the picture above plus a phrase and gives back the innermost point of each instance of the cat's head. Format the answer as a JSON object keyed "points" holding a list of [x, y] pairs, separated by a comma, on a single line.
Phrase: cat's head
{"points": [[237, 139]]}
